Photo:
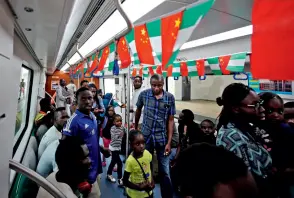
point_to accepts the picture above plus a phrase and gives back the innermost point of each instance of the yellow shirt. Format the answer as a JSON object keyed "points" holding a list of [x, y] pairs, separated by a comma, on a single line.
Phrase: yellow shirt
{"points": [[136, 175]]}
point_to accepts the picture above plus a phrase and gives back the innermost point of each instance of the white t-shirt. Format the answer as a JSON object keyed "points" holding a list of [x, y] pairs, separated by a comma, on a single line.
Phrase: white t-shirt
{"points": [[134, 104], [63, 187], [51, 135], [72, 88], [47, 162]]}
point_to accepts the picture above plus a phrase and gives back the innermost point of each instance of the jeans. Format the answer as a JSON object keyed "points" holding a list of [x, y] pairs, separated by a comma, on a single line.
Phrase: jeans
{"points": [[115, 159], [172, 154], [163, 170]]}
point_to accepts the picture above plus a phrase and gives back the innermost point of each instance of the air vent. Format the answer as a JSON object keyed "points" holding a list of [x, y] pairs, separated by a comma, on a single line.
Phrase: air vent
{"points": [[79, 35], [96, 14]]}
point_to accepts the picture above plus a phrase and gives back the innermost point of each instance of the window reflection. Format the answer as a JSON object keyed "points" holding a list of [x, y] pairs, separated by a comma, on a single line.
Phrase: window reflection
{"points": [[22, 100]]}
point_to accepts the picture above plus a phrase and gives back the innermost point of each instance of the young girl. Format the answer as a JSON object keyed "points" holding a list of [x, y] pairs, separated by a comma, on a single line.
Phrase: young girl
{"points": [[117, 132], [137, 176], [106, 126]]}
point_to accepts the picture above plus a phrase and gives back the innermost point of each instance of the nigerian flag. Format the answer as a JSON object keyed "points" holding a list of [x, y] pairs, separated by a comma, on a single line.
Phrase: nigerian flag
{"points": [[214, 66], [237, 62], [192, 68], [167, 35], [111, 56], [176, 70]]}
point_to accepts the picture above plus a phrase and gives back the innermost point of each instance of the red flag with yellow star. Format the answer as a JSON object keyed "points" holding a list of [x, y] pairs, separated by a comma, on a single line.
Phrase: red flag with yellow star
{"points": [[170, 27], [184, 69], [223, 64], [94, 63], [123, 53], [103, 59], [159, 69], [134, 72], [200, 67], [143, 45]]}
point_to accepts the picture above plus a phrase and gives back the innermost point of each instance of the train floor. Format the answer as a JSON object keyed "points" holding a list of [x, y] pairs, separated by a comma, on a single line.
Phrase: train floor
{"points": [[203, 109]]}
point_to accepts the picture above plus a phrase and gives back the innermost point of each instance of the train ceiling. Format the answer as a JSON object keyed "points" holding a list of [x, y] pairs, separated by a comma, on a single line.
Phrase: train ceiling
{"points": [[52, 42]]}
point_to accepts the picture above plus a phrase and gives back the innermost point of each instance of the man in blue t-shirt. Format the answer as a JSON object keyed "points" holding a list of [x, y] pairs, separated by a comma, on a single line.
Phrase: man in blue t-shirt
{"points": [[83, 124]]}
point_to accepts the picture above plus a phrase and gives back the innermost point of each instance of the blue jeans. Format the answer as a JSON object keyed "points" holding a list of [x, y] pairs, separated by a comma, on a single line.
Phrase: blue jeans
{"points": [[163, 170], [172, 154]]}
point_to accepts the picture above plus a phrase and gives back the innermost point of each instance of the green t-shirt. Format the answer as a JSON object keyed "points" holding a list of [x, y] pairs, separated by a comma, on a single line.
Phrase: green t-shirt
{"points": [[136, 175]]}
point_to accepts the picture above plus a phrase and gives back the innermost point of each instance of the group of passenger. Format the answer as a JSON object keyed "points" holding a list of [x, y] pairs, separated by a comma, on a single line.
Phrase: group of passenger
{"points": [[248, 154]]}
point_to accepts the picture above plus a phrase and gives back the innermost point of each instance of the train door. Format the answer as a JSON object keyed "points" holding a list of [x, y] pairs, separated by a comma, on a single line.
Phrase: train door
{"points": [[186, 88]]}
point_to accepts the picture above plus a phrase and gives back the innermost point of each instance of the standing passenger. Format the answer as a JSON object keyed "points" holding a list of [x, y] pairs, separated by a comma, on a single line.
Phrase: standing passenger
{"points": [[72, 89], [83, 124], [237, 125], [157, 127], [84, 83], [62, 94], [137, 90], [117, 132]]}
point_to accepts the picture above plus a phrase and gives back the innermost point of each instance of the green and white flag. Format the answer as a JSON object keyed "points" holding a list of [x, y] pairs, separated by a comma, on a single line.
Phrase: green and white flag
{"points": [[237, 62], [174, 30], [111, 56], [176, 70], [145, 72], [192, 68], [214, 66]]}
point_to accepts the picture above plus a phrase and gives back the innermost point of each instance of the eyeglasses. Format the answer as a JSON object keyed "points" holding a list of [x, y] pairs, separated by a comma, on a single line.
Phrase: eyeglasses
{"points": [[256, 106]]}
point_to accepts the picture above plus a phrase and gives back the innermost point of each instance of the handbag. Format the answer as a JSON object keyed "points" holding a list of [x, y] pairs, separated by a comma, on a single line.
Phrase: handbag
{"points": [[145, 177]]}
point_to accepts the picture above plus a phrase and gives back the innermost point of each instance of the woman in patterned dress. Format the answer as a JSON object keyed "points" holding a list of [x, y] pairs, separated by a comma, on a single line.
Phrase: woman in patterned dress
{"points": [[236, 132]]}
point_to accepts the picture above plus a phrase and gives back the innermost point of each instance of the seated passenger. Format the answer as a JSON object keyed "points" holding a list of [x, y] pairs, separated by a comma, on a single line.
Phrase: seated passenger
{"points": [[54, 133], [46, 164], [208, 132], [45, 124], [214, 173], [73, 164], [45, 107]]}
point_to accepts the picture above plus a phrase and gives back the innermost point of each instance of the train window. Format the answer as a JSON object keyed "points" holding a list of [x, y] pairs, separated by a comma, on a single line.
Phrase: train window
{"points": [[23, 101]]}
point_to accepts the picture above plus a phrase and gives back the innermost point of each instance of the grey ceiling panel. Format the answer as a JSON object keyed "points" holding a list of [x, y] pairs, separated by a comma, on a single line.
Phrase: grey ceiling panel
{"points": [[240, 8], [216, 22]]}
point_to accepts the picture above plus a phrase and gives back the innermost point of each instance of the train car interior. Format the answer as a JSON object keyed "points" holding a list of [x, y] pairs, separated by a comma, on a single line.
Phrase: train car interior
{"points": [[45, 42]]}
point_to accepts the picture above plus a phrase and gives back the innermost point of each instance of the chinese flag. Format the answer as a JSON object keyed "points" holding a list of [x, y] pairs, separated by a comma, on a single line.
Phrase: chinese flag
{"points": [[134, 72], [169, 70], [123, 53], [169, 32], [143, 45], [151, 72], [141, 71], [94, 63], [200, 67], [223, 64], [159, 70], [273, 39], [103, 59], [79, 67], [184, 69]]}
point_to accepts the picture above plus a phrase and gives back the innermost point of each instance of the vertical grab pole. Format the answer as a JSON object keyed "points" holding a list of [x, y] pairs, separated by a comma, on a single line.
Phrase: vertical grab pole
{"points": [[128, 110]]}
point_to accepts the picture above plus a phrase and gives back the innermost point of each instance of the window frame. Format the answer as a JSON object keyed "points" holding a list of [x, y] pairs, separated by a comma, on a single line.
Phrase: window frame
{"points": [[26, 123]]}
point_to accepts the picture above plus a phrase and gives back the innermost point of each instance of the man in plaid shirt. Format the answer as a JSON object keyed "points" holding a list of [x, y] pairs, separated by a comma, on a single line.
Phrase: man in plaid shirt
{"points": [[157, 126]]}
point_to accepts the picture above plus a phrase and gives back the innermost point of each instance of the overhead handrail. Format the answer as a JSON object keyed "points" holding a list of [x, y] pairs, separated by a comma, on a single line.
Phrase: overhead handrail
{"points": [[116, 37], [202, 77], [41, 181], [235, 76]]}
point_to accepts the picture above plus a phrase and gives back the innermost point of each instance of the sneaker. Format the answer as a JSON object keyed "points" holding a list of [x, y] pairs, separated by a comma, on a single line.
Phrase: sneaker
{"points": [[111, 178], [103, 164], [120, 183]]}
